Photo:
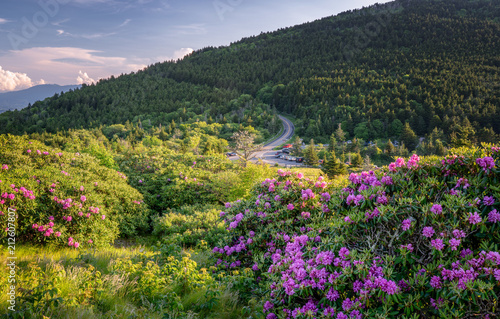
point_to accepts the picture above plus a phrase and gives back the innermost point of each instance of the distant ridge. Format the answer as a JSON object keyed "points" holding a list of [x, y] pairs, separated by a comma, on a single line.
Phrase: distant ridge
{"points": [[21, 99]]}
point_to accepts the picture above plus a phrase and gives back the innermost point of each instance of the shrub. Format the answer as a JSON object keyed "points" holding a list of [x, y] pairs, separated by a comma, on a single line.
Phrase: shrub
{"points": [[188, 225], [65, 198], [421, 237]]}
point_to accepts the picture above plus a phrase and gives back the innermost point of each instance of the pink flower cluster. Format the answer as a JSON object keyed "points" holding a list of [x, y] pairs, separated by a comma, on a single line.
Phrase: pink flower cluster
{"points": [[486, 163]]}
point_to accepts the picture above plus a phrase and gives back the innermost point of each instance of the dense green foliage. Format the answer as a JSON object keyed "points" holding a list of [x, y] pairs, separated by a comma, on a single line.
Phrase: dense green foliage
{"points": [[432, 64]]}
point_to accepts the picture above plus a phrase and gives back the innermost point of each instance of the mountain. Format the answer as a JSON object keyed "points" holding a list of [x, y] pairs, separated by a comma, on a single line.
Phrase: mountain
{"points": [[21, 99], [431, 64]]}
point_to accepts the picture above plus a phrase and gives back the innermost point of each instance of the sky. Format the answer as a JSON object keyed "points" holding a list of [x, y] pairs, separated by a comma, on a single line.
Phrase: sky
{"points": [[81, 41]]}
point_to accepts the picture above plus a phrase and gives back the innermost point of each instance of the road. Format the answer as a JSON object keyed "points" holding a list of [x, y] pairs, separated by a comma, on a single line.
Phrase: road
{"points": [[267, 153]]}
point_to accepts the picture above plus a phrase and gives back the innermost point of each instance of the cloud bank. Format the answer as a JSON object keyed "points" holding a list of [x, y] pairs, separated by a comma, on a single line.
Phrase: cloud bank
{"points": [[84, 78], [11, 81]]}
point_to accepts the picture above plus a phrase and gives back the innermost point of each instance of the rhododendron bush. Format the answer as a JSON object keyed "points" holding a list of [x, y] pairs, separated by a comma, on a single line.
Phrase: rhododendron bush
{"points": [[65, 198], [419, 239]]}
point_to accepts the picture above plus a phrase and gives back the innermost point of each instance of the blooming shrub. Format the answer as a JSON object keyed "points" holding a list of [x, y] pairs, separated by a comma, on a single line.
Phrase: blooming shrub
{"points": [[421, 237], [65, 198]]}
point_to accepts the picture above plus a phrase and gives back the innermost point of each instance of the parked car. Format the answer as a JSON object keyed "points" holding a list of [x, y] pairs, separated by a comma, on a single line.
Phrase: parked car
{"points": [[278, 155], [286, 150], [231, 154], [288, 146], [299, 159], [293, 158]]}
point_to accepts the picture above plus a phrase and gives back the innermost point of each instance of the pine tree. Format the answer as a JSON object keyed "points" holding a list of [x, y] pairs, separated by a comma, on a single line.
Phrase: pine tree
{"points": [[389, 148], [333, 143], [310, 154], [297, 146], [334, 167], [409, 137], [357, 160]]}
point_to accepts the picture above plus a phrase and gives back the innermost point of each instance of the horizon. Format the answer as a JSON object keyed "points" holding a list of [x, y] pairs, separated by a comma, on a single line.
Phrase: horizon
{"points": [[52, 42]]}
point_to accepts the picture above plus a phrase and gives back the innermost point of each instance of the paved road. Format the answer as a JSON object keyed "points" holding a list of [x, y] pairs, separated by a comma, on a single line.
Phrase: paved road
{"points": [[267, 153]]}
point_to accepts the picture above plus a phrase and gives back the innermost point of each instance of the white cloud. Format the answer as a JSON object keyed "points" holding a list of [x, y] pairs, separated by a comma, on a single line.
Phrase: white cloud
{"points": [[84, 78], [10, 81], [191, 29], [61, 64], [85, 36], [125, 23], [179, 54], [58, 23], [3, 21]]}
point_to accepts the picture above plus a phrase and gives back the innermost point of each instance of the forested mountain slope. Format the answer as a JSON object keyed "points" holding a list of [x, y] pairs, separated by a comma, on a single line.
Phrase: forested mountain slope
{"points": [[433, 64]]}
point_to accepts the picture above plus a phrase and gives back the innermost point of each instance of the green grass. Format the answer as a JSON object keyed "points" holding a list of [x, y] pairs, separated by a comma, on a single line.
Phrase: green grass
{"points": [[114, 282]]}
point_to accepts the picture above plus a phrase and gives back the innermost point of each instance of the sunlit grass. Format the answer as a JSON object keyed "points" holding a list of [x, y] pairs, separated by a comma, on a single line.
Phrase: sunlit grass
{"points": [[88, 287]]}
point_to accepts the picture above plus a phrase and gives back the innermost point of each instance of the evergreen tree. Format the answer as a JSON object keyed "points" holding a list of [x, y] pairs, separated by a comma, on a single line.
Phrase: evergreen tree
{"points": [[389, 148], [339, 134], [333, 143], [297, 146], [334, 167], [311, 155], [408, 137], [357, 160]]}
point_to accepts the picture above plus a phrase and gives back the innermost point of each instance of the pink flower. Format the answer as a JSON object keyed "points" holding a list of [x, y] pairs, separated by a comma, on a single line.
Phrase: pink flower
{"points": [[51, 217], [4, 166], [454, 243], [103, 217], [82, 188], [140, 181], [488, 200], [83, 198], [69, 218], [406, 224], [428, 232], [486, 163], [474, 218], [306, 215], [436, 282], [88, 215], [494, 216], [300, 175], [392, 167], [38, 152], [51, 224], [437, 209], [437, 243], [90, 241], [76, 244], [58, 234], [28, 151], [290, 206], [80, 214]]}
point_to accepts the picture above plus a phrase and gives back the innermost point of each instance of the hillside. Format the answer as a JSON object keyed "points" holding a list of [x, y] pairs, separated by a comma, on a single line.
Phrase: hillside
{"points": [[432, 64], [21, 99]]}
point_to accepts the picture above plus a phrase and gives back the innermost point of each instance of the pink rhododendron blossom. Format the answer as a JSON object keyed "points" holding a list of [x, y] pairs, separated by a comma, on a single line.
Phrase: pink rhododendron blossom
{"points": [[437, 243], [406, 224], [437, 209], [474, 218], [428, 232], [494, 216]]}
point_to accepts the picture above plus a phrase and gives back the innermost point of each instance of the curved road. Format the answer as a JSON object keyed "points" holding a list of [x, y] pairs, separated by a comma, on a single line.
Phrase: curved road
{"points": [[267, 153]]}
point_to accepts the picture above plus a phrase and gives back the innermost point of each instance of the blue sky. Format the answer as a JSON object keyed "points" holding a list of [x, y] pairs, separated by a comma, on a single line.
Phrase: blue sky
{"points": [[80, 41]]}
